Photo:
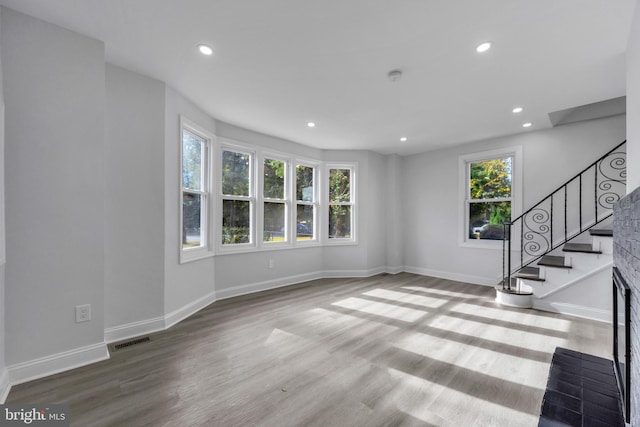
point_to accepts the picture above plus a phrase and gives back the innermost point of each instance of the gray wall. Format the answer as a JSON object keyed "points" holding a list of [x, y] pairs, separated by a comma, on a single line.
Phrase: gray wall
{"points": [[431, 195], [633, 103], [393, 221], [134, 197], [54, 83], [183, 283]]}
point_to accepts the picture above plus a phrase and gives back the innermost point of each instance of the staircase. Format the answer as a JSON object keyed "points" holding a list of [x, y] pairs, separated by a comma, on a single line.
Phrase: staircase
{"points": [[557, 256]]}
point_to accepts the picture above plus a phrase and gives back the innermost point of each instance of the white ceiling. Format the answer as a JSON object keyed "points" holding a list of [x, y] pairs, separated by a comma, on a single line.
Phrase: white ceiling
{"points": [[279, 64]]}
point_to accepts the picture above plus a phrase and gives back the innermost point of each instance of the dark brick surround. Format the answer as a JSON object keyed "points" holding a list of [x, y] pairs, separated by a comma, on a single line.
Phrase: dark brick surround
{"points": [[626, 256]]}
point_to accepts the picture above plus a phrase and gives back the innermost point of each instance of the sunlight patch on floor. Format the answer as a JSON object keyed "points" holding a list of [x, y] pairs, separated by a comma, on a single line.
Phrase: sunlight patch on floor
{"points": [[555, 324], [330, 318], [435, 404], [438, 291], [278, 337], [423, 301], [413, 395], [511, 367], [390, 311], [533, 340]]}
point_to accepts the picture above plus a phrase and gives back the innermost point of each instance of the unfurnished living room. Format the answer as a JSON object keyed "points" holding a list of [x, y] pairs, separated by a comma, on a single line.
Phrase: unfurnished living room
{"points": [[332, 213]]}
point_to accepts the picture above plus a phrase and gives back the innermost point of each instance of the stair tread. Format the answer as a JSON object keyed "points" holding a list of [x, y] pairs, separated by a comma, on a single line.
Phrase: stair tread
{"points": [[580, 247], [601, 232], [529, 273], [553, 261]]}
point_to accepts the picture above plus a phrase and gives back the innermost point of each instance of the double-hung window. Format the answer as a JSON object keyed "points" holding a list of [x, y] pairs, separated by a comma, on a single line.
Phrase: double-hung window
{"points": [[195, 195], [306, 202], [341, 179], [237, 197], [274, 196], [489, 192]]}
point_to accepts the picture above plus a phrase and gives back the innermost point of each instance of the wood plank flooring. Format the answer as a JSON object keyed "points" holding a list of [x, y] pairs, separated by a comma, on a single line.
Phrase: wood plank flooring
{"points": [[389, 350]]}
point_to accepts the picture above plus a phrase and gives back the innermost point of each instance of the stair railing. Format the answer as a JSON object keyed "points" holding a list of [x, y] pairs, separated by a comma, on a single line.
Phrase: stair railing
{"points": [[582, 202]]}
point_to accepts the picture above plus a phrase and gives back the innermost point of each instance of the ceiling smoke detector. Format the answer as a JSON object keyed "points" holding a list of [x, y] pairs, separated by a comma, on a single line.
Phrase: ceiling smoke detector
{"points": [[394, 75]]}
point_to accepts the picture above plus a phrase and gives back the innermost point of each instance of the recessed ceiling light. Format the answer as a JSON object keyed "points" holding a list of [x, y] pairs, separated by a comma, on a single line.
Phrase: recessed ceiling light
{"points": [[517, 110], [403, 139], [205, 50], [483, 47], [311, 124], [527, 125]]}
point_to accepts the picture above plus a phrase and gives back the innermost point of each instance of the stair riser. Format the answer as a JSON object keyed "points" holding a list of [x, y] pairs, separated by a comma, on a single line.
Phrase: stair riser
{"points": [[541, 289], [606, 244], [563, 275], [585, 261]]}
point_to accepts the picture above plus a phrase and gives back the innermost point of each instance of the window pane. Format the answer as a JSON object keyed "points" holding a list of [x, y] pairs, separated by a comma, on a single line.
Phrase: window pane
{"points": [[274, 179], [192, 155], [339, 185], [490, 179], [191, 210], [236, 217], [339, 222], [486, 219], [235, 173], [304, 183], [273, 222], [304, 222]]}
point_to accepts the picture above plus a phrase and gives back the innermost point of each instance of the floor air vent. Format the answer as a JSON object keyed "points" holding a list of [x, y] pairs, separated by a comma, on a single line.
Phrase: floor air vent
{"points": [[126, 344]]}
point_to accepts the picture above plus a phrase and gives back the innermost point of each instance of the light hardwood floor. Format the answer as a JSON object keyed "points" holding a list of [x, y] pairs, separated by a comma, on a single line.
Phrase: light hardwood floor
{"points": [[381, 351]]}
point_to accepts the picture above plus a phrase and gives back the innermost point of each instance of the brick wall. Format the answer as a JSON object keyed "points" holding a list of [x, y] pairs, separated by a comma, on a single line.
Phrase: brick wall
{"points": [[626, 256]]}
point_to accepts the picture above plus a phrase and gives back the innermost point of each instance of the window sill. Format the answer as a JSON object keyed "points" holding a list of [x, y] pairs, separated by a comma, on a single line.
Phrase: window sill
{"points": [[268, 248], [482, 244], [190, 256], [340, 242]]}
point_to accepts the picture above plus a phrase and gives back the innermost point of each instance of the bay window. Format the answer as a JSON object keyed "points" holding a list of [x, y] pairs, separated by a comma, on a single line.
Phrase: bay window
{"points": [[238, 202], [195, 195], [341, 202], [274, 196], [306, 202]]}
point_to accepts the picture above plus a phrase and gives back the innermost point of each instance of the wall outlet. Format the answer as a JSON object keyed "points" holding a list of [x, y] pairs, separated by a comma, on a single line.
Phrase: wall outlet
{"points": [[272, 263], [83, 313]]}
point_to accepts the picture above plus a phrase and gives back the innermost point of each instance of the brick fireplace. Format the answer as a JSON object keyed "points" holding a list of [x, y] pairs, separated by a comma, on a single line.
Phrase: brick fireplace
{"points": [[626, 257]]}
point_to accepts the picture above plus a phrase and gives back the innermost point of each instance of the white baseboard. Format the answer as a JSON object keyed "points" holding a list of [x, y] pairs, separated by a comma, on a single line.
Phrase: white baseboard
{"points": [[134, 329], [148, 326], [156, 324], [394, 270], [49, 365], [143, 327], [353, 273], [573, 310], [5, 385], [189, 309], [466, 278], [267, 284], [300, 278]]}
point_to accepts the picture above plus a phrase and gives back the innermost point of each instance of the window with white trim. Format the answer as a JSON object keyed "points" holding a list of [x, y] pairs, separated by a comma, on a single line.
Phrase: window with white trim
{"points": [[237, 197], [195, 181], [306, 202], [274, 200], [490, 193], [341, 202]]}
